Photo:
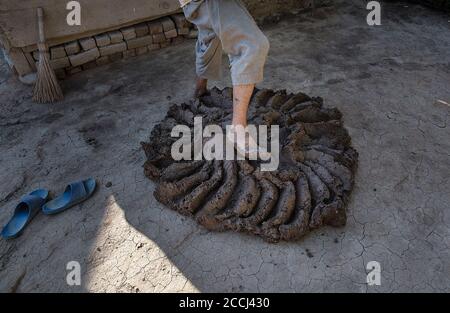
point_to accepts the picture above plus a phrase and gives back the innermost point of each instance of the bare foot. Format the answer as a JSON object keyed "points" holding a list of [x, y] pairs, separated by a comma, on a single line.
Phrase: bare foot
{"points": [[246, 145], [200, 87]]}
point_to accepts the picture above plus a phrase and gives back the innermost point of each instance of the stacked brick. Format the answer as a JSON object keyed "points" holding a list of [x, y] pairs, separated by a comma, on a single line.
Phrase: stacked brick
{"points": [[86, 53]]}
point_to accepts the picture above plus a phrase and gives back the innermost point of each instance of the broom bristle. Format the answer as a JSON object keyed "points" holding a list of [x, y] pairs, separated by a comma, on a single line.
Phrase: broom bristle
{"points": [[47, 88]]}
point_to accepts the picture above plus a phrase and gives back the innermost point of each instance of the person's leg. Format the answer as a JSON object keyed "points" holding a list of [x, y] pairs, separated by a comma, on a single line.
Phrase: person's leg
{"points": [[208, 65], [246, 144], [201, 87], [247, 48], [241, 99], [208, 49]]}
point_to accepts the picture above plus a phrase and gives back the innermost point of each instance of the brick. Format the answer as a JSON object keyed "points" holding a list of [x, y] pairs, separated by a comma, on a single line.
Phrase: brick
{"points": [[129, 53], [115, 36], [84, 57], [140, 42], [167, 24], [59, 63], [30, 60], [158, 38], [25, 49], [102, 40], [114, 48], [141, 50], [128, 33], [72, 47], [155, 27], [103, 60], [89, 65], [180, 21], [141, 29], [87, 43], [154, 46], [183, 31], [57, 52], [171, 34]]}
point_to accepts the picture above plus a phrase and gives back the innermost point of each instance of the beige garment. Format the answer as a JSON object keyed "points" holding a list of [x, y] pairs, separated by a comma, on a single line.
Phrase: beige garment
{"points": [[226, 26], [184, 2]]}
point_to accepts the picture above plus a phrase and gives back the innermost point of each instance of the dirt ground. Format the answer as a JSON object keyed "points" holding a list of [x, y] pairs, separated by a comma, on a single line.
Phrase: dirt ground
{"points": [[392, 84]]}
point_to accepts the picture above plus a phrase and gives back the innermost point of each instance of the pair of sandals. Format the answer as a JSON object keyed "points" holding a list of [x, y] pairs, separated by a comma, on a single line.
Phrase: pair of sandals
{"points": [[39, 200]]}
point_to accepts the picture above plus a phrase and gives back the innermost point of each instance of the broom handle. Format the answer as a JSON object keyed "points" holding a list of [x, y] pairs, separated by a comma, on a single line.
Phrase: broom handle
{"points": [[40, 16]]}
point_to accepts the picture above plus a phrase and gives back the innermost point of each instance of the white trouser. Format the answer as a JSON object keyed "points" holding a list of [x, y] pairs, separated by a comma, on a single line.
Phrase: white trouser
{"points": [[226, 25]]}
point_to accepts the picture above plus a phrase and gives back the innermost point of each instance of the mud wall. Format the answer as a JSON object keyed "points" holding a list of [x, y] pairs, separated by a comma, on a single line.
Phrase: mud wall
{"points": [[18, 18], [18, 31]]}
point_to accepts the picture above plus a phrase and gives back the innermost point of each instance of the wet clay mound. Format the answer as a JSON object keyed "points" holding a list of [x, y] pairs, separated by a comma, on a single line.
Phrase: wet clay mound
{"points": [[310, 189]]}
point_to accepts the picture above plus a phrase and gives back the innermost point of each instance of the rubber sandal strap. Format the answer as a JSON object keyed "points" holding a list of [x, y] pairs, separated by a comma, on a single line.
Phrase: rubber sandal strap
{"points": [[34, 204], [77, 190], [28, 206], [32, 201]]}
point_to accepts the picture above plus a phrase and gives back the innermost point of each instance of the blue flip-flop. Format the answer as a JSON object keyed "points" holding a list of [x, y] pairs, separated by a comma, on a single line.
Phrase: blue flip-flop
{"points": [[27, 208], [73, 194]]}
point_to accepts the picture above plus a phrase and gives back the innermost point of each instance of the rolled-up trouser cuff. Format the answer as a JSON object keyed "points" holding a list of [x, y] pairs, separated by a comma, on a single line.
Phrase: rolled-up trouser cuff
{"points": [[247, 78], [209, 76], [226, 26], [212, 73]]}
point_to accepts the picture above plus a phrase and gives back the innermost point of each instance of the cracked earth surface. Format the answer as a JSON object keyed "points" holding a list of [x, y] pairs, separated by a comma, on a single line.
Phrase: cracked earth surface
{"points": [[391, 84]]}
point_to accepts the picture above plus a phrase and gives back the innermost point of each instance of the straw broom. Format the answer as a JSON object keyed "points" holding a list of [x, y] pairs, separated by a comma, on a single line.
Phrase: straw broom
{"points": [[47, 88]]}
